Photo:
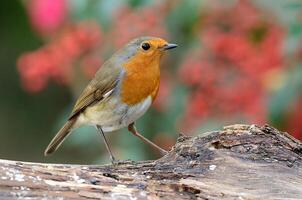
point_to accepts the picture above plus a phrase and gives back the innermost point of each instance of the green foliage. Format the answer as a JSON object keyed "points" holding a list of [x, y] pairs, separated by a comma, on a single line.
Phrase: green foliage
{"points": [[289, 93], [182, 21]]}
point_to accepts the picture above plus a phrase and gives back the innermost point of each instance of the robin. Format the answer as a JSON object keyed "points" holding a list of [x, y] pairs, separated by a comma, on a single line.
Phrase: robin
{"points": [[121, 91]]}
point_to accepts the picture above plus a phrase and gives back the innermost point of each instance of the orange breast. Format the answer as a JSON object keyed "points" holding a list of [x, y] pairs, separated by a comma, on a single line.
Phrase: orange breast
{"points": [[141, 80]]}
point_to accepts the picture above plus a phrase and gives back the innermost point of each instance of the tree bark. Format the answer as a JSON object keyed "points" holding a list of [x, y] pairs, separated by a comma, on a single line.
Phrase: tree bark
{"points": [[238, 162]]}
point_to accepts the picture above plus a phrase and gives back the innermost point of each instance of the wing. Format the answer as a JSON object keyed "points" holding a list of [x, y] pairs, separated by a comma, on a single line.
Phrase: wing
{"points": [[103, 83]]}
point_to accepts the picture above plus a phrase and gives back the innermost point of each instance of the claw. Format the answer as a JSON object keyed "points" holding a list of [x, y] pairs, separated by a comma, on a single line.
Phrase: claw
{"points": [[120, 162]]}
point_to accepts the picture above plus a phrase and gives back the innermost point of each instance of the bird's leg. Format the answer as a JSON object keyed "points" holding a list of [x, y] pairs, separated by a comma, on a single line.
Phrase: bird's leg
{"points": [[133, 130], [99, 128]]}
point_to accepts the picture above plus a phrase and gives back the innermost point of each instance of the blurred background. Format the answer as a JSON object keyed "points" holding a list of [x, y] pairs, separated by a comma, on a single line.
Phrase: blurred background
{"points": [[238, 61]]}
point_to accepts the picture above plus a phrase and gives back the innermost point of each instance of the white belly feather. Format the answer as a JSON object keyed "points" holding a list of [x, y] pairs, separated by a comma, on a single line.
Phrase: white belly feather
{"points": [[112, 114]]}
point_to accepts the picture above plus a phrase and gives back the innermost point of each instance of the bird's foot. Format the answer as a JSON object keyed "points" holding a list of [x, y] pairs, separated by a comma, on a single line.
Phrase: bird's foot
{"points": [[116, 162], [163, 152]]}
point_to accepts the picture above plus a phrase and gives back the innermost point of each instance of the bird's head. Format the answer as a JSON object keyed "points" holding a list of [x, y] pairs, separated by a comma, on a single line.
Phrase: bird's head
{"points": [[147, 49], [151, 46]]}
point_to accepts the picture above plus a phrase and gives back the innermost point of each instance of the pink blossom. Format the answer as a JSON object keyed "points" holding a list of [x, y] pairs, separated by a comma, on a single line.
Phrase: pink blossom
{"points": [[47, 16]]}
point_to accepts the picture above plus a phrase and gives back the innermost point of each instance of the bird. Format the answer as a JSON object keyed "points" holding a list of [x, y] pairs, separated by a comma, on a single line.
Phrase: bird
{"points": [[120, 92]]}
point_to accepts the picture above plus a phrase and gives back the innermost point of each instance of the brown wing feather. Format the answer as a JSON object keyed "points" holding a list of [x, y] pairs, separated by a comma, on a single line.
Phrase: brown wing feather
{"points": [[105, 80]]}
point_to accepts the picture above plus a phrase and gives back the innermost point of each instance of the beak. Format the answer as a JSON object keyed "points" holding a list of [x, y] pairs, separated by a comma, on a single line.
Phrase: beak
{"points": [[169, 46]]}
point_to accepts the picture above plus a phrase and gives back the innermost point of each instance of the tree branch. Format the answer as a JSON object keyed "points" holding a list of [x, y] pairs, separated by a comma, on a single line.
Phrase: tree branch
{"points": [[238, 162]]}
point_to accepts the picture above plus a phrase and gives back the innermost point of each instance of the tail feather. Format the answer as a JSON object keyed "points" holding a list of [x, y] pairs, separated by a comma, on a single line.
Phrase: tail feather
{"points": [[59, 138]]}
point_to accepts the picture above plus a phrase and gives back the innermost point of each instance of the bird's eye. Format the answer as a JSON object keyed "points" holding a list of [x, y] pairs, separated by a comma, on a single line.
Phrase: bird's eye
{"points": [[145, 46]]}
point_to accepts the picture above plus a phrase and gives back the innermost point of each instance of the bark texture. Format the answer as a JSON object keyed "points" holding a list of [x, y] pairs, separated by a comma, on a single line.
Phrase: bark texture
{"points": [[238, 162]]}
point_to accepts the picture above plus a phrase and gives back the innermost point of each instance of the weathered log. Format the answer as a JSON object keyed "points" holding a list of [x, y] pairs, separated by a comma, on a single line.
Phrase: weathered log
{"points": [[238, 162]]}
